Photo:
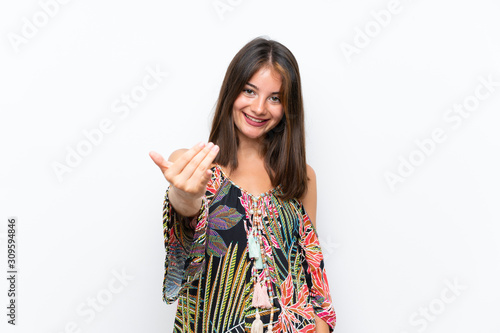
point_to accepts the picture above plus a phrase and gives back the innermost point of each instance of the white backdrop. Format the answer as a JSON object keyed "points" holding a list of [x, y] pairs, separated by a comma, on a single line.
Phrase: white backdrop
{"points": [[402, 101]]}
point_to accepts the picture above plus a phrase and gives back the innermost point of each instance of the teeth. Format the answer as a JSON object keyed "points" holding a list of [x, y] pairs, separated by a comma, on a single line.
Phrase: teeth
{"points": [[256, 120]]}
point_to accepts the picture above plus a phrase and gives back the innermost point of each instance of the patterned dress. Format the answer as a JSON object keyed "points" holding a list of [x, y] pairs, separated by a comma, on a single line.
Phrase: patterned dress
{"points": [[208, 269]]}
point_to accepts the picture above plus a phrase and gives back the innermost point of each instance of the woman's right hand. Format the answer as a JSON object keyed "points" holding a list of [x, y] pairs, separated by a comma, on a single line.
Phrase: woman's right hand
{"points": [[188, 175]]}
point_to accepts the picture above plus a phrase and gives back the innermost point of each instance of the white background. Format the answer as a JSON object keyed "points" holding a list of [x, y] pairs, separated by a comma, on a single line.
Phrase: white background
{"points": [[389, 251]]}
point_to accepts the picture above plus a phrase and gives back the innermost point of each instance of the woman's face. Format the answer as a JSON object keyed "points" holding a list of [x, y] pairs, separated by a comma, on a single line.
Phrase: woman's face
{"points": [[258, 107]]}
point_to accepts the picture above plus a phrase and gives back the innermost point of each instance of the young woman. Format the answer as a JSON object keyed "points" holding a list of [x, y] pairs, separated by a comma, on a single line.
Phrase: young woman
{"points": [[242, 253]]}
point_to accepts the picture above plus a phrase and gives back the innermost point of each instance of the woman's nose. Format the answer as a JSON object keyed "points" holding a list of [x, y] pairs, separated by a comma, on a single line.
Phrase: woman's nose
{"points": [[259, 105]]}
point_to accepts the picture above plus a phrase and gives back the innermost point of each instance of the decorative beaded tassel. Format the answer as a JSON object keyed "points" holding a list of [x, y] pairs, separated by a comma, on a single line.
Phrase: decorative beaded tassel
{"points": [[253, 246], [257, 325], [262, 292], [260, 297]]}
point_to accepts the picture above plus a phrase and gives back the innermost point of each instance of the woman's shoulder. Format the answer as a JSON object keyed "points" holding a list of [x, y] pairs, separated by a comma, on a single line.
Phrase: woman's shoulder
{"points": [[176, 154], [311, 175], [309, 198]]}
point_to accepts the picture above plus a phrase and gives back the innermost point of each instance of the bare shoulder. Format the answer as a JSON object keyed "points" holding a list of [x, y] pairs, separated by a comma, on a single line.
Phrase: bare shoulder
{"points": [[309, 199], [311, 175], [176, 154], [311, 183]]}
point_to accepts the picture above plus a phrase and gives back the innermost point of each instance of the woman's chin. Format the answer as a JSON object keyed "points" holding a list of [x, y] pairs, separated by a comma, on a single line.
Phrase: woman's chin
{"points": [[252, 135]]}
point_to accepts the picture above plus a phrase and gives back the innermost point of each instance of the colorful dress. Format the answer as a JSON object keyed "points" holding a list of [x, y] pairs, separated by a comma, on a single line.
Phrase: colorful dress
{"points": [[208, 269]]}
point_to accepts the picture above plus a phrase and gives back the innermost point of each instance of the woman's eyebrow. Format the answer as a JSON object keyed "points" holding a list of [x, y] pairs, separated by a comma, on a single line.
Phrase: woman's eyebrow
{"points": [[256, 88]]}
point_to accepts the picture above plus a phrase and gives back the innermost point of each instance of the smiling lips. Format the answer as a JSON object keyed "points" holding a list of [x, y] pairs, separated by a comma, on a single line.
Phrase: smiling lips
{"points": [[255, 121]]}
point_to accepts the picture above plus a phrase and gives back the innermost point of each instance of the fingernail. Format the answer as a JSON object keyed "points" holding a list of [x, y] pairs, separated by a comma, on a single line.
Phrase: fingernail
{"points": [[201, 144], [210, 144], [215, 148]]}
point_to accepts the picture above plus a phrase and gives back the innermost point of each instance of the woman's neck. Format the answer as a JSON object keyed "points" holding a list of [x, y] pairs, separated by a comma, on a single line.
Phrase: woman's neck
{"points": [[251, 173], [249, 150]]}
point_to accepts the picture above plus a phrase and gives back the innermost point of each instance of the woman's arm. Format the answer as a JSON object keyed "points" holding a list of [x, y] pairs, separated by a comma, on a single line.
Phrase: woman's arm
{"points": [[184, 237], [309, 201]]}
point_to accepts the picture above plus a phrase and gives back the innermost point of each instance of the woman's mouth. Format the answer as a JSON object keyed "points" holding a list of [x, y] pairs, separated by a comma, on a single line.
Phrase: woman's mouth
{"points": [[254, 121]]}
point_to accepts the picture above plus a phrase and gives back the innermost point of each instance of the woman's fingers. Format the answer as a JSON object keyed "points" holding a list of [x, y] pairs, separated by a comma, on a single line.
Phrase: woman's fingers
{"points": [[160, 161], [204, 165], [196, 175], [194, 164], [185, 158], [190, 172], [202, 174]]}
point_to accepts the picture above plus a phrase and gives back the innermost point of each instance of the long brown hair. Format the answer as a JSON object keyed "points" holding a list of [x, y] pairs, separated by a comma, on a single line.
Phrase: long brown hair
{"points": [[284, 145]]}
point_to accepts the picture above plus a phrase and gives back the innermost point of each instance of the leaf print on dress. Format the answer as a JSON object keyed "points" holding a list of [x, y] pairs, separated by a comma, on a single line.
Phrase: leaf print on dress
{"points": [[220, 300], [296, 312], [246, 202], [222, 191], [222, 218]]}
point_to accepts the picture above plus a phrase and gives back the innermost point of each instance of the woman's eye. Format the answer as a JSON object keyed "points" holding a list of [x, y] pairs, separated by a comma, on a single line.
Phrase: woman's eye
{"points": [[248, 91], [275, 99]]}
